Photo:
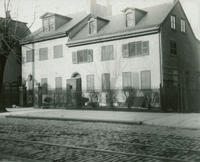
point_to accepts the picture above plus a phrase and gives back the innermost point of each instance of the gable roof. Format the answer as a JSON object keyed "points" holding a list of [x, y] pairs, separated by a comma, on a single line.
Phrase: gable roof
{"points": [[39, 35], [154, 16]]}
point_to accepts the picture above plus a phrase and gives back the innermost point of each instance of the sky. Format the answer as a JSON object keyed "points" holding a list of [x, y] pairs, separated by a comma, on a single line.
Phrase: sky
{"points": [[24, 10]]}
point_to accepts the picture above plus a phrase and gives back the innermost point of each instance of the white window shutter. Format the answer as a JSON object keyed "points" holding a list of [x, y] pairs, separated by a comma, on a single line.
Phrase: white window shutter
{"points": [[74, 58]]}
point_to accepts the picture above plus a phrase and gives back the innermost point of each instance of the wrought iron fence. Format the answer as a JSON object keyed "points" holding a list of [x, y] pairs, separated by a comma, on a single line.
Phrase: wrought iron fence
{"points": [[98, 98]]}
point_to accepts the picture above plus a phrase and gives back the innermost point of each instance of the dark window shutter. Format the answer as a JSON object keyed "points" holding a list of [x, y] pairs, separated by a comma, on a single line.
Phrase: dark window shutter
{"points": [[132, 49], [145, 48], [139, 48], [74, 58], [105, 81], [125, 51]]}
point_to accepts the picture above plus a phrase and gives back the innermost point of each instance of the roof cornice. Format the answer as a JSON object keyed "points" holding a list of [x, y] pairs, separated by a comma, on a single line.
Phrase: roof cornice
{"points": [[112, 37]]}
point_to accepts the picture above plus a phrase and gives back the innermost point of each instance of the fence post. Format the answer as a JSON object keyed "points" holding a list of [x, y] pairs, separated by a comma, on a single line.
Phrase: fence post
{"points": [[22, 96]]}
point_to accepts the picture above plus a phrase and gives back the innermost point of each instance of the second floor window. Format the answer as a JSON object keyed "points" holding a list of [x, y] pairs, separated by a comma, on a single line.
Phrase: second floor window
{"points": [[182, 25], [135, 49], [173, 22], [107, 53], [173, 48], [58, 51], [130, 19], [43, 54], [82, 56], [30, 56]]}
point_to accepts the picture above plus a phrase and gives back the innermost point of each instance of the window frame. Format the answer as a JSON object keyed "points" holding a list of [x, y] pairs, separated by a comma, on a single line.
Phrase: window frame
{"points": [[141, 79], [90, 79], [30, 59], [54, 51], [92, 26], [173, 22], [40, 58], [183, 25], [173, 49], [130, 19], [106, 86], [105, 53], [44, 85]]}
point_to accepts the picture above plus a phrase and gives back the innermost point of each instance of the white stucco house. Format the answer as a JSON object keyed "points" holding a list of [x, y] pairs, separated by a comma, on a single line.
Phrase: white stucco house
{"points": [[144, 49]]}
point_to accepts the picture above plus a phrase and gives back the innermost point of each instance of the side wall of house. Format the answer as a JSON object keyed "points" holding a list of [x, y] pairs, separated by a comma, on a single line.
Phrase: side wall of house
{"points": [[180, 70]]}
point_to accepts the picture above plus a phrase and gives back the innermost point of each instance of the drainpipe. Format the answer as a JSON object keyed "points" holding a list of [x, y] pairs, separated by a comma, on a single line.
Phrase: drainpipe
{"points": [[161, 66]]}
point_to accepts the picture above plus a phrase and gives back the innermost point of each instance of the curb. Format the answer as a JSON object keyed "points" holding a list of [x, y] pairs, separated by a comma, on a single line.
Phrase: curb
{"points": [[76, 119]]}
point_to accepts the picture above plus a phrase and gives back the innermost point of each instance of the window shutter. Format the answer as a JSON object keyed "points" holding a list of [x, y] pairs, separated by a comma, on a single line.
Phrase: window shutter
{"points": [[74, 58], [139, 48], [90, 55], [58, 51], [125, 51], [135, 76], [90, 82], [145, 48], [132, 49]]}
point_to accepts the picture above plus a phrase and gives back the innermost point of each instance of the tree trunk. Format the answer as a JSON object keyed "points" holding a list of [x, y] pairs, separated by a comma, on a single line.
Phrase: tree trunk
{"points": [[2, 67]]}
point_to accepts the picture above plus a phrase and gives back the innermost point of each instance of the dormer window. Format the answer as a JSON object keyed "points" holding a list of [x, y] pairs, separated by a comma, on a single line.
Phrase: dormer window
{"points": [[92, 26], [130, 19], [49, 24]]}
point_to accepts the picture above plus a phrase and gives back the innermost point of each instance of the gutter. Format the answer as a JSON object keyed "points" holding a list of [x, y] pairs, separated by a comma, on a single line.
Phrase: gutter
{"points": [[112, 37], [57, 35]]}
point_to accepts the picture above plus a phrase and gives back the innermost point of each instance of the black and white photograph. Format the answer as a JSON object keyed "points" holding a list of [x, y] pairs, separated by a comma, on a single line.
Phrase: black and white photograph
{"points": [[99, 81]]}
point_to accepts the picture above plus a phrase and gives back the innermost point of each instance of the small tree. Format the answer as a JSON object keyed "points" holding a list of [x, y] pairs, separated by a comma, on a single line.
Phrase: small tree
{"points": [[10, 34]]}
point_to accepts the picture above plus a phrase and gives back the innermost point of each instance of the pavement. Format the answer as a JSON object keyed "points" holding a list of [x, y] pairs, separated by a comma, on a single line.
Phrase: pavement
{"points": [[176, 120]]}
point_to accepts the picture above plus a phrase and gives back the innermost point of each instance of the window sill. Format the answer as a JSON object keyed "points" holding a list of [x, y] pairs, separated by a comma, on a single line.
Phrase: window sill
{"points": [[136, 56]]}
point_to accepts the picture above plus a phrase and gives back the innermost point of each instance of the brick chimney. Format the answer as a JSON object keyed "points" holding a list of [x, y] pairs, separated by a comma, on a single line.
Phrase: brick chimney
{"points": [[98, 9], [8, 16]]}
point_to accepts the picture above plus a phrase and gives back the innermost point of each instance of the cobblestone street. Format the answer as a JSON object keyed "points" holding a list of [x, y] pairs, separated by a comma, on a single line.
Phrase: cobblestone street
{"points": [[59, 141]]}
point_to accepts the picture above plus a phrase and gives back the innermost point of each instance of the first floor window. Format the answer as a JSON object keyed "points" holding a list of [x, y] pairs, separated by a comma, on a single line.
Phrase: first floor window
{"points": [[44, 85], [173, 48], [90, 82], [127, 80], [30, 56], [58, 83], [130, 80], [105, 81], [146, 80], [43, 54]]}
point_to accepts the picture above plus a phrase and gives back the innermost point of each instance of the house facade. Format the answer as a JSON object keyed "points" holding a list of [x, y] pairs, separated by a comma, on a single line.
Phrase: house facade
{"points": [[107, 58]]}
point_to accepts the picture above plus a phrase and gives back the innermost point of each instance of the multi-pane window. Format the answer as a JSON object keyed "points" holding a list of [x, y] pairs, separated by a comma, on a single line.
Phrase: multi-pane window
{"points": [[90, 82], [105, 81], [58, 51], [173, 22], [130, 80], [43, 54], [183, 25], [107, 53], [82, 56], [30, 56], [92, 27], [145, 80], [130, 20], [58, 83], [48, 24], [127, 80], [173, 48], [44, 85], [135, 49]]}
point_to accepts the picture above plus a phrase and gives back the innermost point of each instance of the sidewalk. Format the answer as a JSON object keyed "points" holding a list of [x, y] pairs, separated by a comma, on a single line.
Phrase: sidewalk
{"points": [[178, 120]]}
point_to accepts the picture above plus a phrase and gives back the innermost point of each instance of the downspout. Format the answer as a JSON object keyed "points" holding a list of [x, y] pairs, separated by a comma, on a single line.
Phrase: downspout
{"points": [[161, 66], [33, 72]]}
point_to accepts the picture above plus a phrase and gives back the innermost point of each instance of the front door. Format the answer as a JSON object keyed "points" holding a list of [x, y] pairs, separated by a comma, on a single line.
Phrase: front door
{"points": [[74, 91]]}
